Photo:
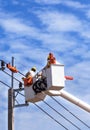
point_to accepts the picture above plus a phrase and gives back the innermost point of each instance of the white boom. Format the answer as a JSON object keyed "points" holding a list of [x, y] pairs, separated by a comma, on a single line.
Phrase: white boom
{"points": [[70, 98]]}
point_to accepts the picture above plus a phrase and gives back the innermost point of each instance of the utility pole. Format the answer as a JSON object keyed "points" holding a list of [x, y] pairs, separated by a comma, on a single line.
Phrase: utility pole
{"points": [[10, 110], [11, 103], [12, 79], [12, 94]]}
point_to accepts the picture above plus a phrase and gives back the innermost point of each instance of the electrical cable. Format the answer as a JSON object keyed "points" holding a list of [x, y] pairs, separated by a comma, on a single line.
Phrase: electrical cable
{"points": [[5, 84], [21, 73], [45, 103], [51, 117], [70, 112], [10, 87], [62, 115], [13, 77], [21, 94], [18, 71], [53, 108], [48, 104]]}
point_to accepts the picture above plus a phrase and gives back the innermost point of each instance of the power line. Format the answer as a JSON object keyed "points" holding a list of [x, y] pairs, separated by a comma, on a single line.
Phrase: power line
{"points": [[50, 107], [62, 116], [11, 98], [5, 84], [11, 76], [71, 112], [53, 99], [17, 90], [18, 71], [51, 116], [21, 73], [14, 89]]}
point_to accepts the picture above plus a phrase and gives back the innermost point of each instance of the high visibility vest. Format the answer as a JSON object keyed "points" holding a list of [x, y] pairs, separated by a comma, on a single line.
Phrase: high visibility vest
{"points": [[28, 81]]}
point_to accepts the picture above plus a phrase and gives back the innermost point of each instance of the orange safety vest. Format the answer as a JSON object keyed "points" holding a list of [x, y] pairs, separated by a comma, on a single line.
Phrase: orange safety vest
{"points": [[51, 59], [28, 81]]}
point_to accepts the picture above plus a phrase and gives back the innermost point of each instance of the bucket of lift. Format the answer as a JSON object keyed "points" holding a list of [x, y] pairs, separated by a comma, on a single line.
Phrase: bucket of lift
{"points": [[31, 96], [51, 78], [54, 76]]}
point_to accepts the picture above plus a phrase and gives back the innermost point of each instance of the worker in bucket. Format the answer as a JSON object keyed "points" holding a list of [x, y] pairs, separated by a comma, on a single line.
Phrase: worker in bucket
{"points": [[28, 80], [50, 60]]}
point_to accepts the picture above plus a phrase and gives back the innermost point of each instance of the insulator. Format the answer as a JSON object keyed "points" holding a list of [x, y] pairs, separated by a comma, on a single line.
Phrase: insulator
{"points": [[2, 65], [20, 85]]}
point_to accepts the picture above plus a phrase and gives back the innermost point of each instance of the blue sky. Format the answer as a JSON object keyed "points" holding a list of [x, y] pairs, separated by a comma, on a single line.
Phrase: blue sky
{"points": [[29, 30]]}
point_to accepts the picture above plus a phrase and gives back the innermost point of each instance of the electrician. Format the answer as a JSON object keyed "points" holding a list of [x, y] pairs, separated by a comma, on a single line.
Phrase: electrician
{"points": [[50, 60], [28, 80]]}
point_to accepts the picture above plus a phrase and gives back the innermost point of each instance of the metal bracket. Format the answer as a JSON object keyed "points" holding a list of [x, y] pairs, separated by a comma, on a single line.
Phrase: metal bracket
{"points": [[16, 93]]}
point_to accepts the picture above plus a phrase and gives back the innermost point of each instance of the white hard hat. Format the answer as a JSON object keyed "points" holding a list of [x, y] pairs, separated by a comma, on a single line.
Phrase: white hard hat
{"points": [[33, 69]]}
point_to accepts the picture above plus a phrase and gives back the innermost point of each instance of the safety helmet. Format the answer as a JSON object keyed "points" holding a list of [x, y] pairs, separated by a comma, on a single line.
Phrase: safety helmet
{"points": [[33, 69]]}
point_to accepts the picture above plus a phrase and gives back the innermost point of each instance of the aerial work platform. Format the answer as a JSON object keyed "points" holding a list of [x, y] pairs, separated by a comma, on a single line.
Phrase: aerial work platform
{"points": [[51, 81], [51, 78]]}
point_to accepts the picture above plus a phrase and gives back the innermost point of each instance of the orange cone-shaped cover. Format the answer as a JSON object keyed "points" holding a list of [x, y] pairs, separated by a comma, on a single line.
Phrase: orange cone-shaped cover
{"points": [[12, 68]]}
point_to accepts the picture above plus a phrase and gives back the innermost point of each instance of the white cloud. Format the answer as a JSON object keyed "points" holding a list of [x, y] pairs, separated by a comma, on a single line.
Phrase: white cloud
{"points": [[62, 22], [69, 3], [81, 51], [57, 22], [49, 2], [30, 46], [75, 4], [86, 32], [88, 13], [14, 25]]}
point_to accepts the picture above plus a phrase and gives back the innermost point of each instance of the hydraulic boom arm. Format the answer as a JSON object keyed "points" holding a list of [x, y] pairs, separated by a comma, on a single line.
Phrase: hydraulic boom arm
{"points": [[70, 98]]}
